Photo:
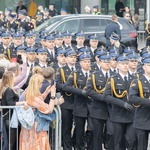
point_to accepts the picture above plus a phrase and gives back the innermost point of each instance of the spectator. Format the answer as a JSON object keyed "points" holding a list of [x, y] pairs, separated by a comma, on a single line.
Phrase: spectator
{"points": [[9, 98], [40, 8], [1, 19], [35, 99], [87, 9], [20, 7], [15, 68], [127, 16], [147, 29], [112, 27], [52, 11], [63, 11], [96, 10], [32, 9], [136, 24], [119, 7]]}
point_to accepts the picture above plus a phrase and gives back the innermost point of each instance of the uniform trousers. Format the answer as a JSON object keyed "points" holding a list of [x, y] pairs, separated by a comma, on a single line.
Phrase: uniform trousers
{"points": [[142, 139], [80, 132], [67, 124], [124, 132], [98, 126]]}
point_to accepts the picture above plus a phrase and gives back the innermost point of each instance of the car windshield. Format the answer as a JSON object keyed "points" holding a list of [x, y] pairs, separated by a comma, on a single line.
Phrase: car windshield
{"points": [[48, 23]]}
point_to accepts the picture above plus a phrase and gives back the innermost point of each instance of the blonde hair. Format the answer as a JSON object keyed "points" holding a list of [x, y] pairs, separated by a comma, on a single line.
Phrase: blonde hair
{"points": [[33, 89], [37, 70], [7, 81]]}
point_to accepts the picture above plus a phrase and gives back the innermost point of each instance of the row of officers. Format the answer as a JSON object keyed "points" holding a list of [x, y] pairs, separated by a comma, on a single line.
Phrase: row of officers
{"points": [[112, 93]]}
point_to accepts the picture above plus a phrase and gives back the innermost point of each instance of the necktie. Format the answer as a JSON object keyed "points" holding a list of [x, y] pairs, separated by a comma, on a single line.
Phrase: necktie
{"points": [[125, 81], [31, 66], [115, 71], [43, 67], [106, 75], [86, 75], [72, 69]]}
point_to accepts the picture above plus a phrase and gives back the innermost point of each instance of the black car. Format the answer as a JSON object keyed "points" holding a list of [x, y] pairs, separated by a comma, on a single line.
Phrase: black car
{"points": [[89, 24]]}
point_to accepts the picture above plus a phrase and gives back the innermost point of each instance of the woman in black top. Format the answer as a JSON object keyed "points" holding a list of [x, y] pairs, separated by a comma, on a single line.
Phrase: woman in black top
{"points": [[9, 98]]}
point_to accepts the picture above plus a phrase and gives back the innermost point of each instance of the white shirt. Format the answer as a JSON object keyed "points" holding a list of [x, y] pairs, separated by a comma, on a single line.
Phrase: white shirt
{"points": [[148, 79], [122, 76], [104, 73], [74, 68], [84, 72]]}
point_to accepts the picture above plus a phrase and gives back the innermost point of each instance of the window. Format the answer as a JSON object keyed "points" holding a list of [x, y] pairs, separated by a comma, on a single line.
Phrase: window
{"points": [[91, 25], [103, 24], [71, 25]]}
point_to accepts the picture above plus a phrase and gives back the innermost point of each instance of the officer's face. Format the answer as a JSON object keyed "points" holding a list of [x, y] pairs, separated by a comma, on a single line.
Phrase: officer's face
{"points": [[94, 43], [61, 59], [105, 65], [67, 40], [80, 41], [113, 63], [85, 64], [17, 41], [30, 40], [42, 57], [6, 40], [71, 59], [50, 44], [59, 41], [31, 56], [146, 68], [133, 64], [122, 66], [43, 42]]}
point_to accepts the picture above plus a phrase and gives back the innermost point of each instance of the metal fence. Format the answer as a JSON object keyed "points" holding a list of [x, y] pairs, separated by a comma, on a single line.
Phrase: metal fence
{"points": [[56, 130]]}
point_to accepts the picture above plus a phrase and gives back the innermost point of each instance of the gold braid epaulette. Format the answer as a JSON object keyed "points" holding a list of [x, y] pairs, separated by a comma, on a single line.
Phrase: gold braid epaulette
{"points": [[63, 79], [94, 85], [124, 93], [140, 91], [75, 79], [9, 57]]}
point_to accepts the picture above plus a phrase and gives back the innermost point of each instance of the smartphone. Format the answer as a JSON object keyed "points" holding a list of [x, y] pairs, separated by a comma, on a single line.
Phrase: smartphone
{"points": [[52, 82]]}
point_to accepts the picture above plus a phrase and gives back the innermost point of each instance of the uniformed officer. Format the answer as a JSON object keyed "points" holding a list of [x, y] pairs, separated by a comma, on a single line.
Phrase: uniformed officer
{"points": [[115, 44], [93, 41], [46, 14], [96, 65], [113, 62], [61, 59], [12, 23], [67, 40], [62, 75], [17, 39], [50, 42], [42, 57], [58, 40], [5, 45], [76, 84], [139, 95], [80, 38], [22, 22], [121, 117], [99, 112], [96, 10], [30, 40], [39, 18]]}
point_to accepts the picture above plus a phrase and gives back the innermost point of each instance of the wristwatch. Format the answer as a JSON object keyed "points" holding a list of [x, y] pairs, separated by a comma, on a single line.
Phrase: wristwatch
{"points": [[53, 97]]}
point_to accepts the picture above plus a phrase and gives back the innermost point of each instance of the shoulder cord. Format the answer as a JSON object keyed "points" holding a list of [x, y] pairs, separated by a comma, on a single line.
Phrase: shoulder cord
{"points": [[124, 93], [94, 85], [63, 79]]}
